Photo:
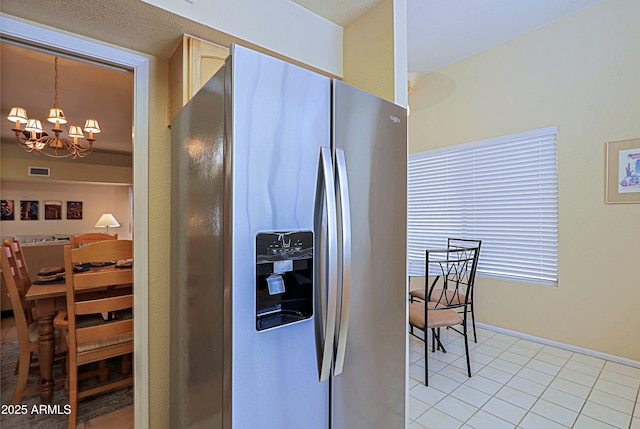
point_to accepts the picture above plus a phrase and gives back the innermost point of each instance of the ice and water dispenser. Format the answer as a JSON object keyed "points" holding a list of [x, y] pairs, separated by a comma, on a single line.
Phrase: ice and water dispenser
{"points": [[284, 278]]}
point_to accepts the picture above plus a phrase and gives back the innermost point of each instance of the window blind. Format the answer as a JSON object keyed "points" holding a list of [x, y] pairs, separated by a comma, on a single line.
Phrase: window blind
{"points": [[503, 191]]}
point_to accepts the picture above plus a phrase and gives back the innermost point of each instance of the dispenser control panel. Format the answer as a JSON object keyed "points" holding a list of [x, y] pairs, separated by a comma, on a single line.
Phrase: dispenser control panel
{"points": [[284, 278]]}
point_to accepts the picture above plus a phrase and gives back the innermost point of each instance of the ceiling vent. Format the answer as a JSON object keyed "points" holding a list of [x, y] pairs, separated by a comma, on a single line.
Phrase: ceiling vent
{"points": [[39, 171]]}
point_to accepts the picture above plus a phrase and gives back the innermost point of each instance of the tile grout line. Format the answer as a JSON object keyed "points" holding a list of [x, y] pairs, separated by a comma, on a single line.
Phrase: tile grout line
{"points": [[538, 353]]}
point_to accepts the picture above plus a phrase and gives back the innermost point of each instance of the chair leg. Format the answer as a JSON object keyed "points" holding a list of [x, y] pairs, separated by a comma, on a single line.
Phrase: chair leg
{"points": [[473, 323], [73, 396], [126, 364], [23, 373], [436, 338], [103, 371], [433, 340], [466, 349], [426, 357]]}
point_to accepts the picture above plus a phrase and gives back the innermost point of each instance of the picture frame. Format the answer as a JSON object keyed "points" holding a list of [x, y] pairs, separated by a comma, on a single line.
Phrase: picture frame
{"points": [[74, 210], [622, 172], [7, 210], [29, 210], [52, 210]]}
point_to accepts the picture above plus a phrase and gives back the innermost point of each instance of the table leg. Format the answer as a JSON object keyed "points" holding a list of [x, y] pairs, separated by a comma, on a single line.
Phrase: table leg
{"points": [[46, 349]]}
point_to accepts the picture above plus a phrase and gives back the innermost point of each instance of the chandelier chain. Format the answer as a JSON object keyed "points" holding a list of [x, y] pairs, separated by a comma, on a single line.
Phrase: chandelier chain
{"points": [[55, 85]]}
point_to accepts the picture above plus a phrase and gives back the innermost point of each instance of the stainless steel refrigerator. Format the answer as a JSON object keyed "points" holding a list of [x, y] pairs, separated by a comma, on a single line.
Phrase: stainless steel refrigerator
{"points": [[288, 243]]}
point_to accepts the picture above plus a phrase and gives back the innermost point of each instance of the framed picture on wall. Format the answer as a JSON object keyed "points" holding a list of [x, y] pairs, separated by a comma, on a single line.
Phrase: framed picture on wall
{"points": [[74, 209], [622, 172], [6, 207], [53, 210], [29, 210]]}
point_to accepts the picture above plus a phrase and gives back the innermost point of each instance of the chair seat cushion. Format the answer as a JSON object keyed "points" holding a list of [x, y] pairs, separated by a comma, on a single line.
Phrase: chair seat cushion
{"points": [[84, 346], [94, 320], [437, 318], [451, 297]]}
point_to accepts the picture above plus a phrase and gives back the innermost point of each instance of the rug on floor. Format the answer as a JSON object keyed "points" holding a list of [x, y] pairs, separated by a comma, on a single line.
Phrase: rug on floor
{"points": [[88, 408]]}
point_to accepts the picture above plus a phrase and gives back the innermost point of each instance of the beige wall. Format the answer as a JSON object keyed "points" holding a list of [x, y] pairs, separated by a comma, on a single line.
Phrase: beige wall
{"points": [[96, 200], [95, 168], [581, 74], [373, 46], [281, 26], [159, 245], [115, 28]]}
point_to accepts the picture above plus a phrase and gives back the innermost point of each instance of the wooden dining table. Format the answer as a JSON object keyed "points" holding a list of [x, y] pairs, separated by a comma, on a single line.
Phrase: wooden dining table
{"points": [[50, 297]]}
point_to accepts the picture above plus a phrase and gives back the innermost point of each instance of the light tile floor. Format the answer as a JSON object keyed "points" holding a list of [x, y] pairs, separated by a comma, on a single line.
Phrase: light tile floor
{"points": [[517, 383]]}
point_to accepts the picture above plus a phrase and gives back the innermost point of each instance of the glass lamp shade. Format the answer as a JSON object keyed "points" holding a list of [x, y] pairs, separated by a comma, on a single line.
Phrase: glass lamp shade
{"points": [[18, 115], [57, 115], [91, 126]]}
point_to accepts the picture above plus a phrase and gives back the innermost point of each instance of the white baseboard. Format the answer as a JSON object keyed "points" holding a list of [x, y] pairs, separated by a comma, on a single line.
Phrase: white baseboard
{"points": [[588, 352]]}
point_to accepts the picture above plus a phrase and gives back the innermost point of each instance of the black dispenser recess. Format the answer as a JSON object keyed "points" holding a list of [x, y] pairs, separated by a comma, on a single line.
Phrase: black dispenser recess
{"points": [[284, 278]]}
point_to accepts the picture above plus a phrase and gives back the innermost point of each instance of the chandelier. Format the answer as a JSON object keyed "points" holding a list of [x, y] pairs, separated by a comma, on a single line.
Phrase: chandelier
{"points": [[33, 138]]}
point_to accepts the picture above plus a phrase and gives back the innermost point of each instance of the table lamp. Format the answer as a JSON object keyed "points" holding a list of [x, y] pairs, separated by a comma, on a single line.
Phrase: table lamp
{"points": [[107, 220]]}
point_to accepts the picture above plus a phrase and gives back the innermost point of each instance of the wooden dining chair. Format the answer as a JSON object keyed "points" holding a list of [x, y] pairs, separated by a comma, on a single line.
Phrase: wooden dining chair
{"points": [[90, 237], [26, 328], [23, 269], [454, 295], [456, 268], [101, 289]]}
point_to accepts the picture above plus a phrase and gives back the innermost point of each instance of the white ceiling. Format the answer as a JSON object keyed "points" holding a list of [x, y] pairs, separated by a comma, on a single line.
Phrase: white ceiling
{"points": [[84, 91], [440, 32]]}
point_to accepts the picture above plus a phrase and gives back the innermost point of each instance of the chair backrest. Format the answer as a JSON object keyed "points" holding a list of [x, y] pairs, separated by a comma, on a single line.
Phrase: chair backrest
{"points": [[90, 237], [105, 276], [466, 243], [453, 243], [23, 270], [21, 308], [455, 267]]}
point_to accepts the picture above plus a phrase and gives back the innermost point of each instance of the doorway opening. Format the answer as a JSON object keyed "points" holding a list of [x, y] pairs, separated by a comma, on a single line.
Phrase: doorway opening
{"points": [[56, 41]]}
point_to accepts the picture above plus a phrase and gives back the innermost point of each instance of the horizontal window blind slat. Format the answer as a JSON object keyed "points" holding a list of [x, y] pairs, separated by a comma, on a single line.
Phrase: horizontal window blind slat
{"points": [[502, 191]]}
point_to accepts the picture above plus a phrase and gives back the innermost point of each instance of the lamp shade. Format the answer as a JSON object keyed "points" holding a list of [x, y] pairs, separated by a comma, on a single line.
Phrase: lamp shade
{"points": [[18, 115], [34, 125], [56, 115], [75, 131], [107, 220], [91, 125]]}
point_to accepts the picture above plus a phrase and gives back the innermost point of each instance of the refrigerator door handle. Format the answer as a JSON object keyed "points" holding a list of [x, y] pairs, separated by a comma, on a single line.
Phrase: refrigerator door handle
{"points": [[345, 211], [327, 284]]}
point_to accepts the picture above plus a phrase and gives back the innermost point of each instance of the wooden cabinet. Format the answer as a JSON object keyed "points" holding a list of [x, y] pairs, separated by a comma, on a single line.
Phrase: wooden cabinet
{"points": [[190, 67]]}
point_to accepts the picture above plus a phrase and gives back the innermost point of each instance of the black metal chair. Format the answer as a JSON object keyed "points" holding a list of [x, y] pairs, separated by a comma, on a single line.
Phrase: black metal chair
{"points": [[453, 297], [456, 268]]}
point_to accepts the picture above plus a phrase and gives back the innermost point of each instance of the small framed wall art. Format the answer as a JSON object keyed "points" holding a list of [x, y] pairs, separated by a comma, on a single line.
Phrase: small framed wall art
{"points": [[29, 210], [74, 210], [622, 170], [6, 207], [53, 210]]}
